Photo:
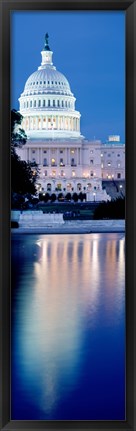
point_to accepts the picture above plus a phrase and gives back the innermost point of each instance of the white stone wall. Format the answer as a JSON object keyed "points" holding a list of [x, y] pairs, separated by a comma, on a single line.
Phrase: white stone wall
{"points": [[74, 165]]}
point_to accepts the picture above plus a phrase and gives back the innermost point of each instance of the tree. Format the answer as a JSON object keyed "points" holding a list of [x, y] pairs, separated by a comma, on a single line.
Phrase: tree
{"points": [[75, 197], [23, 177], [53, 197], [18, 135], [68, 196]]}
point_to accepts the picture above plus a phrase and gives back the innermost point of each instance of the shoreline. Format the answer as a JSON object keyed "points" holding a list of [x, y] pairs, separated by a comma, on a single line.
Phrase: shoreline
{"points": [[74, 227]]}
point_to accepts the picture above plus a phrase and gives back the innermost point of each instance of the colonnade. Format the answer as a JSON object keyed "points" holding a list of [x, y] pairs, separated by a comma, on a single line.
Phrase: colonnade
{"points": [[39, 155], [51, 123]]}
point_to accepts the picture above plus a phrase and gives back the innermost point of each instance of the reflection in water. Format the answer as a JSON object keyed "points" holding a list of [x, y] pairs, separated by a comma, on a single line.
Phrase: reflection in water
{"points": [[68, 327]]}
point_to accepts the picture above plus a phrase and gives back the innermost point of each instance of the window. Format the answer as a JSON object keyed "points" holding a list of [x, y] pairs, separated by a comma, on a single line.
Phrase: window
{"points": [[58, 103], [45, 151], [30, 103], [118, 175], [40, 82], [48, 82], [61, 173], [34, 103], [72, 151], [49, 187], [44, 162], [33, 83], [118, 165], [109, 164], [109, 155], [33, 151], [66, 104], [79, 187], [45, 173], [118, 155], [53, 161], [61, 151], [91, 151], [52, 82], [61, 161], [48, 102], [73, 173], [39, 102], [37, 83], [43, 102], [91, 162], [91, 173], [24, 104], [62, 104], [56, 82], [27, 104], [53, 102], [44, 82], [72, 161]]}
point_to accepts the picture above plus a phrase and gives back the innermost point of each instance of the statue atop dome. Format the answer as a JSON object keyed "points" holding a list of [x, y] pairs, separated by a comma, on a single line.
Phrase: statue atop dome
{"points": [[46, 46]]}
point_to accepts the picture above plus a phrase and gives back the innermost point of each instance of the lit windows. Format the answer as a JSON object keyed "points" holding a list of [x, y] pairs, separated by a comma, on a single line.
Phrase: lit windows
{"points": [[91, 162], [91, 173]]}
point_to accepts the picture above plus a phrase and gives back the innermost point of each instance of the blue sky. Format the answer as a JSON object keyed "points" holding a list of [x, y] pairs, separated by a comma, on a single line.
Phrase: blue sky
{"points": [[89, 49]]}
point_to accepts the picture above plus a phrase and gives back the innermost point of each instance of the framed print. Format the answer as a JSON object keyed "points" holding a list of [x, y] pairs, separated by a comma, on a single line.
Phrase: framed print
{"points": [[68, 215]]}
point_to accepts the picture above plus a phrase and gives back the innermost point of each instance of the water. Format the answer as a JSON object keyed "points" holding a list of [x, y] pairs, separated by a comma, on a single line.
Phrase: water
{"points": [[68, 327]]}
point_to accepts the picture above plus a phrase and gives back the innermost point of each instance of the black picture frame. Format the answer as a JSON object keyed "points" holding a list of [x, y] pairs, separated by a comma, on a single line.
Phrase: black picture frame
{"points": [[129, 6]]}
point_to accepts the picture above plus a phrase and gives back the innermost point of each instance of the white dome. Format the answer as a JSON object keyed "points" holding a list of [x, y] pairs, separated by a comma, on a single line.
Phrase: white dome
{"points": [[47, 80]]}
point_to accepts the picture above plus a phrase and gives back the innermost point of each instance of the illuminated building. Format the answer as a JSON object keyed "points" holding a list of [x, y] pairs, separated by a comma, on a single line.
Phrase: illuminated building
{"points": [[67, 161]]}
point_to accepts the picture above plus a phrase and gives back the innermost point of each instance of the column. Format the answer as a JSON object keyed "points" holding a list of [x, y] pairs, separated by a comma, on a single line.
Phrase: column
{"points": [[49, 157]]}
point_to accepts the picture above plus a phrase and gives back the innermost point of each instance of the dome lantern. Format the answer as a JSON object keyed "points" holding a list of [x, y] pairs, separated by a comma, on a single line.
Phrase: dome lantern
{"points": [[46, 54]]}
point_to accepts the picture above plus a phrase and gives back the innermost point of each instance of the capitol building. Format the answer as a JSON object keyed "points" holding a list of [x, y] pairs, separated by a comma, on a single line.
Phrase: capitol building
{"points": [[67, 162]]}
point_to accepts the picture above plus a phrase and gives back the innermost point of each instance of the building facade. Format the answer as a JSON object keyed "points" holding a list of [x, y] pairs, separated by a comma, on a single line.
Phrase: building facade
{"points": [[67, 161]]}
